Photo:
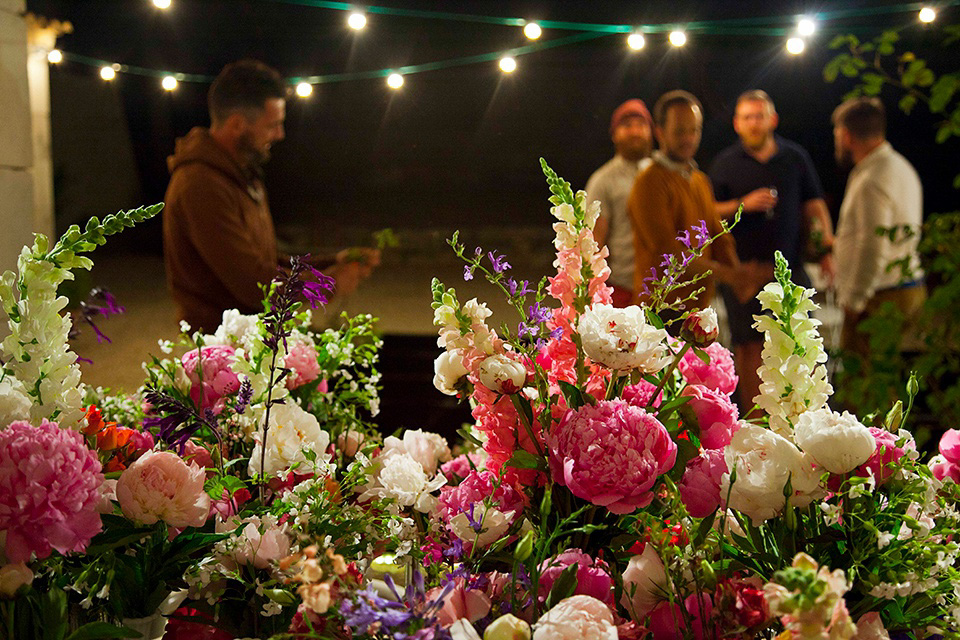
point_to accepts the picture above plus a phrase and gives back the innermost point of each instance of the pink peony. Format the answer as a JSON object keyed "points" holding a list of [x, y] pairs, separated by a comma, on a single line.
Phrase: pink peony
{"points": [[950, 445], [260, 542], [700, 484], [49, 490], [886, 453], [575, 618], [716, 415], [161, 486], [719, 374], [610, 454], [461, 466], [592, 577], [303, 364], [639, 394], [943, 469], [479, 500], [214, 380], [667, 622]]}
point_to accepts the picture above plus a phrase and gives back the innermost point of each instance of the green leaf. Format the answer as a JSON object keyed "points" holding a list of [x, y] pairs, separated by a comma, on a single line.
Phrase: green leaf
{"points": [[942, 92], [706, 525], [281, 596], [572, 394], [102, 631], [522, 459], [907, 103], [469, 437], [564, 586], [944, 132]]}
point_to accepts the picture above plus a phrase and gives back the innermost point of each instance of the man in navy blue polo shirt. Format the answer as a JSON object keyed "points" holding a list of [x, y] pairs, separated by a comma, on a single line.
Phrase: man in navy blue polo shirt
{"points": [[775, 181]]}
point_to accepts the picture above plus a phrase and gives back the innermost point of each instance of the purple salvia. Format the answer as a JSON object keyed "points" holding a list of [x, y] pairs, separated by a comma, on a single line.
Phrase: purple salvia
{"points": [[499, 262], [468, 272], [244, 395]]}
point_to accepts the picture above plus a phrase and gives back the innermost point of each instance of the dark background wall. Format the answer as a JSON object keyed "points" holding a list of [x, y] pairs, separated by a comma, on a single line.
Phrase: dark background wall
{"points": [[457, 147]]}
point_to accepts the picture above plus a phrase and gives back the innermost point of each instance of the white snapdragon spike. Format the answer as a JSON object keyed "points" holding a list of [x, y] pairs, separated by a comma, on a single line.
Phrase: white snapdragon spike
{"points": [[479, 335], [292, 432], [793, 378], [622, 339], [838, 442], [14, 401]]}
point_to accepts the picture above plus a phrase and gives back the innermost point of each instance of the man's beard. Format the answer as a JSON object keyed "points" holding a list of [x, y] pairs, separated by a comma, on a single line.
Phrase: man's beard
{"points": [[757, 145], [844, 159], [255, 157]]}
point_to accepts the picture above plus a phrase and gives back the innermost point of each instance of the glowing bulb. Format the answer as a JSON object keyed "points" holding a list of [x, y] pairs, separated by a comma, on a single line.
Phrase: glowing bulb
{"points": [[107, 73], [806, 27], [795, 46], [169, 83], [927, 14], [304, 89], [678, 38], [161, 4], [55, 56], [357, 21], [508, 64], [636, 41], [395, 81], [532, 30]]}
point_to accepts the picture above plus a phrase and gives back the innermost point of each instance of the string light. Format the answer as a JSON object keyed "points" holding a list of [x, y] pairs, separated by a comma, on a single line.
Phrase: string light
{"points": [[678, 38], [304, 89], [108, 73], [927, 15], [508, 64], [636, 41], [532, 30], [55, 56], [806, 27], [357, 21], [795, 46], [169, 83], [395, 81], [161, 4]]}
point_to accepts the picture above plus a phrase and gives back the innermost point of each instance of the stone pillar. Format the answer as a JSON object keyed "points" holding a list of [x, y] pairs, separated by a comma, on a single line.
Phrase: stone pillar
{"points": [[16, 144]]}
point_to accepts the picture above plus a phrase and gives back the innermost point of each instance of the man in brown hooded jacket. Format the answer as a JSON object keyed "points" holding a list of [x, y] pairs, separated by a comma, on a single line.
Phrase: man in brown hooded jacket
{"points": [[219, 240]]}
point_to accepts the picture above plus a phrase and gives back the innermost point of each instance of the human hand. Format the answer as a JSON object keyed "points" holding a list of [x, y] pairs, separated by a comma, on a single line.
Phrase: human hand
{"points": [[749, 278], [368, 258], [762, 199], [828, 270], [348, 276]]}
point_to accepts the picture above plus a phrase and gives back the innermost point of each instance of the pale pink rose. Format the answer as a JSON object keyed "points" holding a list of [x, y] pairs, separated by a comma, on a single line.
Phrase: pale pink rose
{"points": [[700, 484], [667, 622], [575, 618], [303, 364], [49, 490], [463, 602], [884, 455], [716, 415], [719, 374], [610, 454], [218, 379], [260, 542], [161, 486], [644, 581], [197, 454], [950, 445], [592, 577], [12, 577]]}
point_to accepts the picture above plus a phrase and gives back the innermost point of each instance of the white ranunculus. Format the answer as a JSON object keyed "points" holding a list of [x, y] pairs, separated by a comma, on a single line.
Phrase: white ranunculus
{"points": [[429, 449], [493, 524], [292, 431], [448, 369], [14, 402], [622, 340], [644, 583], [502, 374], [401, 478], [765, 461], [838, 442]]}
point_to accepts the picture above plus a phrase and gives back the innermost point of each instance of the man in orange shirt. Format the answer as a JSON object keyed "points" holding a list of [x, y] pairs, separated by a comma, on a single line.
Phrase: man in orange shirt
{"points": [[672, 196]]}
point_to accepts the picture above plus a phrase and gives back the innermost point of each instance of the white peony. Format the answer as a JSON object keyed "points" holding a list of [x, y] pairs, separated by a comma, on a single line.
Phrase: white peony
{"points": [[622, 340], [429, 449], [493, 524], [14, 402], [399, 477], [292, 431], [765, 461], [576, 617], [448, 369], [502, 374], [644, 583], [838, 442], [235, 330]]}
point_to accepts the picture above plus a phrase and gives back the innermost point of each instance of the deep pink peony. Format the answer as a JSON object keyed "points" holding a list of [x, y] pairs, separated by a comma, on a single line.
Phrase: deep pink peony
{"points": [[218, 379], [49, 490], [700, 484], [639, 394], [461, 466], [720, 374], [610, 454], [716, 415], [886, 452], [592, 577], [475, 488], [303, 365]]}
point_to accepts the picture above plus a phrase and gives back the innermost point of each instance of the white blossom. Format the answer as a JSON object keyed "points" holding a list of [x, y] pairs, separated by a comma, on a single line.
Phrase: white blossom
{"points": [[622, 339]]}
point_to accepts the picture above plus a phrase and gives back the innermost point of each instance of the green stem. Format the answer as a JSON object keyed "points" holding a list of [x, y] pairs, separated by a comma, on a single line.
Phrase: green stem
{"points": [[668, 374]]}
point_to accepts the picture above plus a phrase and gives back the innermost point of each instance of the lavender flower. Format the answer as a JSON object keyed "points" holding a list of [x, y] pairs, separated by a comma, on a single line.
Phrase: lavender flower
{"points": [[244, 395], [468, 272]]}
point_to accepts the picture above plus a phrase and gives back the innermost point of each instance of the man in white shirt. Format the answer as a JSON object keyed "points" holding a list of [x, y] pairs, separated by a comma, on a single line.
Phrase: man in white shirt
{"points": [[883, 191], [631, 129]]}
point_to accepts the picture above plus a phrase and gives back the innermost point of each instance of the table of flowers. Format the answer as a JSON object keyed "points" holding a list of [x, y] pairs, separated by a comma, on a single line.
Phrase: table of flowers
{"points": [[607, 487]]}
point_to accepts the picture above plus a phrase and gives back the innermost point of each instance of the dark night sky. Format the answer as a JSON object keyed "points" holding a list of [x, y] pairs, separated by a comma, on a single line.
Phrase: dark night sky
{"points": [[460, 147]]}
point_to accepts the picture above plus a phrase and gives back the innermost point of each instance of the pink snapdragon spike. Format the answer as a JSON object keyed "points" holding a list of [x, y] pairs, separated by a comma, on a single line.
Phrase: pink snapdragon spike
{"points": [[610, 454], [592, 576], [716, 415], [719, 374], [49, 490], [215, 379], [700, 484]]}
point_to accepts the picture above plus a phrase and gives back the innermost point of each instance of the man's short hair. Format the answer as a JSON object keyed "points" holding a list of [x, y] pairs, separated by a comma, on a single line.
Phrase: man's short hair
{"points": [[863, 117], [670, 98], [244, 86], [757, 95]]}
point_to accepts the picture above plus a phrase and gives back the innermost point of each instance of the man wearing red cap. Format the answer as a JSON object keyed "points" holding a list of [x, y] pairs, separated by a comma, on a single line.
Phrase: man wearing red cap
{"points": [[631, 129]]}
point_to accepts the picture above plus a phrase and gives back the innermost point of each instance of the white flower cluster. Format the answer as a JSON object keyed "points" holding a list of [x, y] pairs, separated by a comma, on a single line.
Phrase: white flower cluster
{"points": [[793, 378], [622, 339]]}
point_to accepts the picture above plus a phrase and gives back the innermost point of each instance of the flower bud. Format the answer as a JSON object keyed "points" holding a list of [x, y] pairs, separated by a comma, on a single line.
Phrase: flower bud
{"points": [[524, 547], [700, 328], [448, 369], [507, 627], [894, 417], [912, 386], [349, 442], [13, 576], [502, 374]]}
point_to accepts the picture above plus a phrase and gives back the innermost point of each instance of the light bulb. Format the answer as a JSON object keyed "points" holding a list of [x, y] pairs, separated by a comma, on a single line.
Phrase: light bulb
{"points": [[678, 38], [169, 83], [928, 15], [532, 30], [304, 89], [55, 56], [357, 21], [636, 41], [795, 46], [806, 27], [508, 64], [161, 4], [395, 81], [107, 73]]}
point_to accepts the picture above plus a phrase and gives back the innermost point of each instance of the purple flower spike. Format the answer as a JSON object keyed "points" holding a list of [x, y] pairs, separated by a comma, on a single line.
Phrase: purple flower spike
{"points": [[684, 237], [499, 263], [702, 233]]}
